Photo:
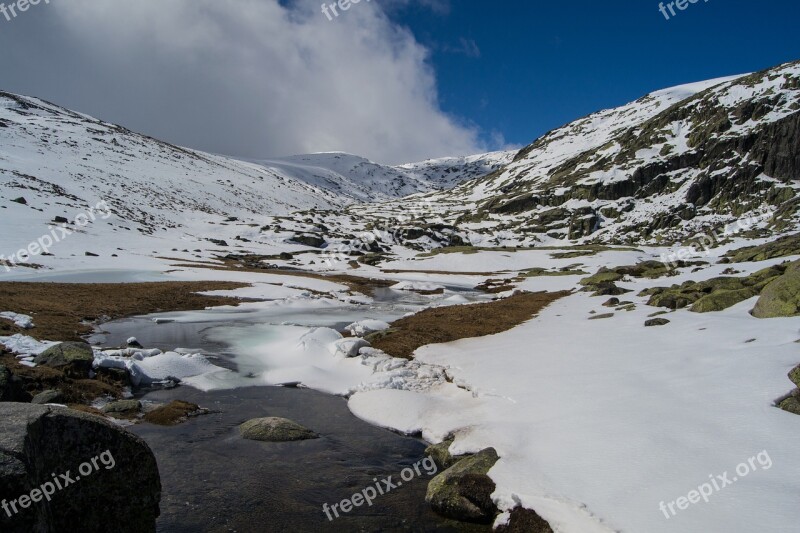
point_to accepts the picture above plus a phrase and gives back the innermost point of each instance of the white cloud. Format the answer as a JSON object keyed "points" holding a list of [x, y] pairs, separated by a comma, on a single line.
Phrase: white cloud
{"points": [[250, 78]]}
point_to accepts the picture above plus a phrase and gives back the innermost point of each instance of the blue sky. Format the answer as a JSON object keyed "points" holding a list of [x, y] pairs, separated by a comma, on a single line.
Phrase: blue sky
{"points": [[543, 64]]}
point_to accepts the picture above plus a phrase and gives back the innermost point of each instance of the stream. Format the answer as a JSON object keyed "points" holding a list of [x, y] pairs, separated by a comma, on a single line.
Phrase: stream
{"points": [[213, 480]]}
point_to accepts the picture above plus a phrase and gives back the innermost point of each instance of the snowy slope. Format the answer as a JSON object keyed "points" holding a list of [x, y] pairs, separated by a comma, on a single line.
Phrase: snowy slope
{"points": [[674, 164], [63, 163], [366, 181]]}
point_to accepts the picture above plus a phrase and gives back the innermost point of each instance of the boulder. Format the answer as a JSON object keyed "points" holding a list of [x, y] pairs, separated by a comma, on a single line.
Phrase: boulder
{"points": [[121, 493], [48, 396], [312, 240], [612, 302], [723, 299], [656, 322], [525, 521], [73, 358], [794, 375], [274, 429], [463, 491], [441, 456], [791, 405], [607, 288], [781, 297]]}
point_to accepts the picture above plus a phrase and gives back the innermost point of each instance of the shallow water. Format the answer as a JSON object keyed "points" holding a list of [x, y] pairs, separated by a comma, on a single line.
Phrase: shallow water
{"points": [[215, 481]]}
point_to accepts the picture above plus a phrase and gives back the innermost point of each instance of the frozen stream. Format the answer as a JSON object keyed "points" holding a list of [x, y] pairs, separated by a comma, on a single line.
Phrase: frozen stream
{"points": [[215, 481]]}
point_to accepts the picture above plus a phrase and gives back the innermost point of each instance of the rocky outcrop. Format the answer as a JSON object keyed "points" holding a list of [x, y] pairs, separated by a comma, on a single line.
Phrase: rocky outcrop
{"points": [[781, 297], [715, 294], [115, 482], [463, 491], [794, 375], [441, 456], [73, 358], [274, 429]]}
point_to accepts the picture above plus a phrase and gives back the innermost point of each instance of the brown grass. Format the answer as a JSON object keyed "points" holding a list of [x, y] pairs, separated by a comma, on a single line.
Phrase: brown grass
{"points": [[172, 414], [447, 324], [65, 311], [40, 378]]}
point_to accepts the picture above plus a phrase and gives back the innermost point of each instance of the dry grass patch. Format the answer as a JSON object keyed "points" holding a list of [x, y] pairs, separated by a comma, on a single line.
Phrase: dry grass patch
{"points": [[65, 311], [447, 324], [173, 413]]}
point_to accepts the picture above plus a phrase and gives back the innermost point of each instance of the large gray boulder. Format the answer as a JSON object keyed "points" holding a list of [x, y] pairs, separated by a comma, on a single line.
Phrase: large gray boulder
{"points": [[274, 429], [108, 476], [463, 491], [73, 358]]}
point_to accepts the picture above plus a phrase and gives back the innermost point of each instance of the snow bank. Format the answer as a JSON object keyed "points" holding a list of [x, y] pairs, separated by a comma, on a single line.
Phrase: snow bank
{"points": [[150, 366], [365, 327], [417, 286], [24, 345], [598, 422], [21, 321]]}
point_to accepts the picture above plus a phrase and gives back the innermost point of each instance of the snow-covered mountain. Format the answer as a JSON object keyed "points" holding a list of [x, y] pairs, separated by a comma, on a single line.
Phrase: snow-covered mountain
{"points": [[60, 162], [355, 177], [674, 164]]}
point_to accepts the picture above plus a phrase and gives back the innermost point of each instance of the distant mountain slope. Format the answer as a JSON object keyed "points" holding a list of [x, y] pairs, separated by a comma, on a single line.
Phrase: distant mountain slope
{"points": [[62, 161], [359, 178], [671, 165]]}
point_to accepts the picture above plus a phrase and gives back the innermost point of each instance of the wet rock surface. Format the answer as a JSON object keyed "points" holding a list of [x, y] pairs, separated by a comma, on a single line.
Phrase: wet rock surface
{"points": [[121, 493]]}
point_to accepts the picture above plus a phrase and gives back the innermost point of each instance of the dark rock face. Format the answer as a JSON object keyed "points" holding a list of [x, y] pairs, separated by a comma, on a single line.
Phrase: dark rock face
{"points": [[463, 491], [525, 521], [724, 165], [11, 389], [314, 241], [73, 358], [121, 492]]}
